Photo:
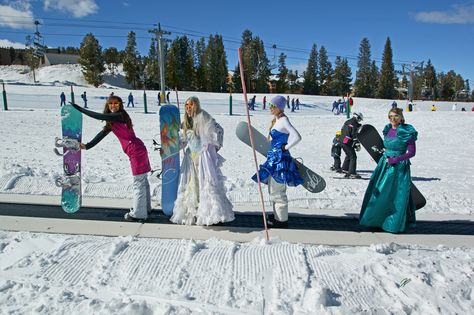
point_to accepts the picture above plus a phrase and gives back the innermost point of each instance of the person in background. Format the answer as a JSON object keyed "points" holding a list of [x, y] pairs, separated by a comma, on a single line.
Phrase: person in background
{"points": [[202, 198], [350, 144], [120, 124], [297, 104], [130, 100], [335, 106], [279, 170], [387, 202], [336, 152], [394, 104], [168, 97], [264, 101], [84, 98], [288, 101], [62, 97], [159, 99], [433, 108]]}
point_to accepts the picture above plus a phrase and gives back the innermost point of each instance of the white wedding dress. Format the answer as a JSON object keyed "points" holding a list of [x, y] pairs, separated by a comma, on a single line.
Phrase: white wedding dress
{"points": [[202, 196]]}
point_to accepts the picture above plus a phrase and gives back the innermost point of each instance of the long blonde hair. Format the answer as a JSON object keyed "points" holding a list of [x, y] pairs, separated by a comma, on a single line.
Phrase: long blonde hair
{"points": [[188, 120], [280, 114]]}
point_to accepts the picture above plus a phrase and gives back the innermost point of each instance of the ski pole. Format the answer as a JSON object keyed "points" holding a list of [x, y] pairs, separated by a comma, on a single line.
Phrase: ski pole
{"points": [[244, 90]]}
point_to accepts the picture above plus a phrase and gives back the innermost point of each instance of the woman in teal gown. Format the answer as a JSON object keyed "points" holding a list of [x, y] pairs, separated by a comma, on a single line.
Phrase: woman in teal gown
{"points": [[387, 202]]}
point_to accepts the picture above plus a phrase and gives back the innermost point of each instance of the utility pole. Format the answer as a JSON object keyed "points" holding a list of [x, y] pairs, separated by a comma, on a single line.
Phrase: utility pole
{"points": [[159, 38]]}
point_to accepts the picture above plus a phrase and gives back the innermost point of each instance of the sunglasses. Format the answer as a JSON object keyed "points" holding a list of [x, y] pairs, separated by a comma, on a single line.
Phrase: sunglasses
{"points": [[393, 117]]}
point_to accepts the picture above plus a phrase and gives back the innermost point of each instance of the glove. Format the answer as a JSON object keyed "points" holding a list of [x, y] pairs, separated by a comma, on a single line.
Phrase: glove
{"points": [[393, 160]]}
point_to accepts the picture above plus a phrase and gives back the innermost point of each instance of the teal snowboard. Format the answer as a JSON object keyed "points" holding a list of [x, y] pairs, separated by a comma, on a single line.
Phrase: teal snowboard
{"points": [[70, 182]]}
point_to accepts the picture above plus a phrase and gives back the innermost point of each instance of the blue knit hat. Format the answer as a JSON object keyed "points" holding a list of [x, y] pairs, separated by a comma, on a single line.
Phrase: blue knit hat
{"points": [[279, 101]]}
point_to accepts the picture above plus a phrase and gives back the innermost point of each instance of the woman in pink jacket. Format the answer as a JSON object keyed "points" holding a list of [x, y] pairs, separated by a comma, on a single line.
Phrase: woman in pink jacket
{"points": [[119, 123]]}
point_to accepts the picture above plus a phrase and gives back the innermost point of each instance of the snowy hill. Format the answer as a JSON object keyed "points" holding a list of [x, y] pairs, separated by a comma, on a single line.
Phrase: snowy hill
{"points": [[56, 274]]}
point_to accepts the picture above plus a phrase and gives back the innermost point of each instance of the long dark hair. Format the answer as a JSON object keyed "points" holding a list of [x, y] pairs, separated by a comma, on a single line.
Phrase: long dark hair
{"points": [[126, 117]]}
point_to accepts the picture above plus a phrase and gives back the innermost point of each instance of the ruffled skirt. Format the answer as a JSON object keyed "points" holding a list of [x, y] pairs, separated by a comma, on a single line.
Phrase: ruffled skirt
{"points": [[202, 198]]}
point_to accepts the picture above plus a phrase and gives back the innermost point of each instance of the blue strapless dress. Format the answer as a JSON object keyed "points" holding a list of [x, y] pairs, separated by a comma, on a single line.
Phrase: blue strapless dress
{"points": [[279, 164]]}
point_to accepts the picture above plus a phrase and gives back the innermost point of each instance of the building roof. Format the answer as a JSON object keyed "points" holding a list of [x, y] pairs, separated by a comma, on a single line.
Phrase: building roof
{"points": [[60, 59]]}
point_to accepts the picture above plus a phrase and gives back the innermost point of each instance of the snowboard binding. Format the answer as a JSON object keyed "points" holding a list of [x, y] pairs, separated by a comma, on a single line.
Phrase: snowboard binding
{"points": [[68, 181], [71, 144]]}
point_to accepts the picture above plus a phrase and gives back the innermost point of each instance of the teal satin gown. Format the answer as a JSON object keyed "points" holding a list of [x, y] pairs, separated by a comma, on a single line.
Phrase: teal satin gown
{"points": [[387, 203]]}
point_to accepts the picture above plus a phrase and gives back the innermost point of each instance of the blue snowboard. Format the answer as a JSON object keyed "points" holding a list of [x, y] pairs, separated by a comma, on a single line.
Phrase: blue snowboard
{"points": [[169, 133]]}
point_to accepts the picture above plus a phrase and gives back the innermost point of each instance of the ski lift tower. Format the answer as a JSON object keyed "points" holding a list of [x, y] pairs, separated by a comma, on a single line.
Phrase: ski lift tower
{"points": [[415, 66]]}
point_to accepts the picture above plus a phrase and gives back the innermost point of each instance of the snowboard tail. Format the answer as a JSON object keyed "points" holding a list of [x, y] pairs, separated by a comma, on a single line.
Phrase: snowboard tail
{"points": [[312, 181], [372, 142]]}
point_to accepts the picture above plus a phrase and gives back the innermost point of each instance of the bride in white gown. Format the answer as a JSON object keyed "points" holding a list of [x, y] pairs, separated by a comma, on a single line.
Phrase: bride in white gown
{"points": [[202, 196]]}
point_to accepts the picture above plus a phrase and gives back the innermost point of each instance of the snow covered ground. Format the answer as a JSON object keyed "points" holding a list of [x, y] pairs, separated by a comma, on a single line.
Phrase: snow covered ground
{"points": [[45, 274]]}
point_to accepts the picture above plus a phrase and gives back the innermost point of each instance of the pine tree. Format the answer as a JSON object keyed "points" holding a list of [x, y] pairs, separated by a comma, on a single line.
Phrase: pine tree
{"points": [[180, 64], [374, 78], [446, 85], [325, 72], [282, 83], [262, 67], [362, 84], [342, 77], [131, 64], [152, 67], [200, 65], [256, 65], [90, 58], [431, 80], [216, 65], [311, 84], [111, 58], [386, 88]]}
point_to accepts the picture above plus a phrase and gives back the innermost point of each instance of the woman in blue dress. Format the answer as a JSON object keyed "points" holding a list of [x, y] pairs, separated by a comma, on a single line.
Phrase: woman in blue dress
{"points": [[387, 202], [279, 170]]}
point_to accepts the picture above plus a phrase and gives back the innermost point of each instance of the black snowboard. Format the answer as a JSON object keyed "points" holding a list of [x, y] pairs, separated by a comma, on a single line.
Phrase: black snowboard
{"points": [[370, 139]]}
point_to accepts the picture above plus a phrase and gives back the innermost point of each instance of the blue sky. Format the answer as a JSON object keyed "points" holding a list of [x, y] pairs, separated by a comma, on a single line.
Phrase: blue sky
{"points": [[439, 30]]}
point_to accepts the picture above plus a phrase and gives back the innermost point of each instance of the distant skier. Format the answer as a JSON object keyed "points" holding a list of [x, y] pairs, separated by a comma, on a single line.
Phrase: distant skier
{"points": [[350, 144], [292, 104], [394, 104], [84, 98], [336, 152], [62, 97], [159, 99], [168, 97], [130, 100], [342, 105], [264, 101], [297, 104], [288, 101], [433, 108], [252, 103], [335, 105]]}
